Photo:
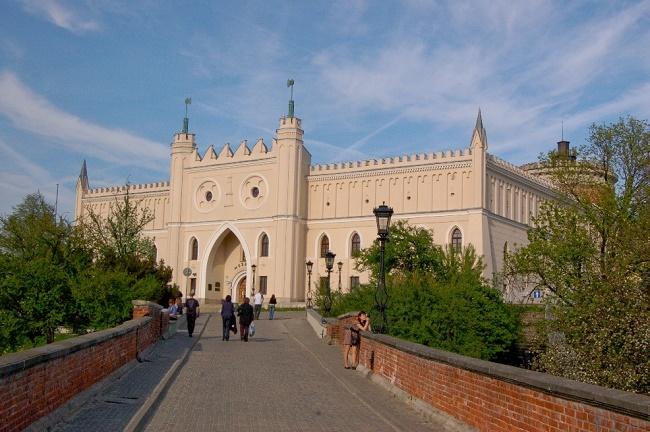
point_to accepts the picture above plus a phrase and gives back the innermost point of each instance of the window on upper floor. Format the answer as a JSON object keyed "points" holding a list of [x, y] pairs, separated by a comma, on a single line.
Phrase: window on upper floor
{"points": [[324, 246], [194, 249], [456, 239], [355, 244], [264, 245]]}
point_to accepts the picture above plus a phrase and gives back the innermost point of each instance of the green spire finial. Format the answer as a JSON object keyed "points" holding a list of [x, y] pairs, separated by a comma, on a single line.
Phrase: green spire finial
{"points": [[186, 120], [290, 83]]}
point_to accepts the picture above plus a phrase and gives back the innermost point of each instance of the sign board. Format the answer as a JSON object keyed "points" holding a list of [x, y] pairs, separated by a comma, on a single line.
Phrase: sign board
{"points": [[187, 272]]}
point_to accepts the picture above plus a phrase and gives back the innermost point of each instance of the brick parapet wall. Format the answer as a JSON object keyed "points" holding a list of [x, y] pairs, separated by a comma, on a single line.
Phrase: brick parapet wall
{"points": [[495, 397], [35, 382]]}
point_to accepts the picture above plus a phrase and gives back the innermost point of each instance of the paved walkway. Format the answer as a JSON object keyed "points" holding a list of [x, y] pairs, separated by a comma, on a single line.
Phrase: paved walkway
{"points": [[121, 395], [284, 379]]}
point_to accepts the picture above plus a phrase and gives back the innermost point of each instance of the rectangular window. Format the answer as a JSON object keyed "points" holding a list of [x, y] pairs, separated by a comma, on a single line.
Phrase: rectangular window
{"points": [[209, 287], [193, 286], [354, 282], [263, 286]]}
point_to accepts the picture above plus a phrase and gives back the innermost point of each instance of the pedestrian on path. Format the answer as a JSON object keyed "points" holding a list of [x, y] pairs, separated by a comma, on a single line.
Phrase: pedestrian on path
{"points": [[246, 317], [192, 312], [259, 299], [272, 303], [352, 339], [227, 314]]}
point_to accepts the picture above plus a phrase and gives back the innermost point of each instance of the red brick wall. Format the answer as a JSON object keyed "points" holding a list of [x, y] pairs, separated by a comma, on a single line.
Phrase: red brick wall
{"points": [[34, 383], [490, 403]]}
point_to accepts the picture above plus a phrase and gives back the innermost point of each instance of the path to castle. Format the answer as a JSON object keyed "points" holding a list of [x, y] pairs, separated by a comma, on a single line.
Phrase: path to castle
{"points": [[284, 379]]}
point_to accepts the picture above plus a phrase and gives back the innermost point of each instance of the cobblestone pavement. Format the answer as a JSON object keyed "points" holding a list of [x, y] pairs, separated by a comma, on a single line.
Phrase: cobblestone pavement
{"points": [[114, 406], [284, 379]]}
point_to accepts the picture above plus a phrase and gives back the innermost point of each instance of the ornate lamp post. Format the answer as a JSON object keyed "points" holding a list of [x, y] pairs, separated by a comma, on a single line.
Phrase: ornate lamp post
{"points": [[340, 266], [383, 214], [309, 265], [253, 267], [329, 264]]}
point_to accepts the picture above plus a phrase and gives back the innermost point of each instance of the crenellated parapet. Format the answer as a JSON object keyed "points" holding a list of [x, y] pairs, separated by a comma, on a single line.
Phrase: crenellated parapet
{"points": [[226, 155], [132, 188], [513, 169], [442, 158]]}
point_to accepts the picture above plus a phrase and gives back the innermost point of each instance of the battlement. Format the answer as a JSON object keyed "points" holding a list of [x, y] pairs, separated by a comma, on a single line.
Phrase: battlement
{"points": [[518, 171], [227, 155], [395, 161], [143, 187]]}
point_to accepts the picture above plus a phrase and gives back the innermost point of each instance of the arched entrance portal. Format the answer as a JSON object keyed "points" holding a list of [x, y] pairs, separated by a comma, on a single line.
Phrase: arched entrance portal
{"points": [[226, 267]]}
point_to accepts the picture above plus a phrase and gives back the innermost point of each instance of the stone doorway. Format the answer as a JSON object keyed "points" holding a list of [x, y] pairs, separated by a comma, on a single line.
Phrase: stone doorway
{"points": [[241, 290]]}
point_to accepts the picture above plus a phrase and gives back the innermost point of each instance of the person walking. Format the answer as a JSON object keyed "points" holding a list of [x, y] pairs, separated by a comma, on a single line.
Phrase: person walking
{"points": [[246, 317], [272, 303], [259, 299], [352, 340], [227, 314], [192, 312]]}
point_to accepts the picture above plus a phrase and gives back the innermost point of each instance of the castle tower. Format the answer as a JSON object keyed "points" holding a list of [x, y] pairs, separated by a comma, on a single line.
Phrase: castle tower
{"points": [[182, 148], [293, 165]]}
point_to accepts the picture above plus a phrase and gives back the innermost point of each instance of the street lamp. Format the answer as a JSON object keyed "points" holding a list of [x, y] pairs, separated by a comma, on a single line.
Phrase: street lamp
{"points": [[340, 266], [383, 214], [329, 264], [253, 267], [309, 265]]}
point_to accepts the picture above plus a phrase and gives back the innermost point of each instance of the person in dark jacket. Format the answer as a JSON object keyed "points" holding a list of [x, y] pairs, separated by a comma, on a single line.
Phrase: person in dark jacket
{"points": [[246, 317], [227, 315], [272, 304], [192, 311]]}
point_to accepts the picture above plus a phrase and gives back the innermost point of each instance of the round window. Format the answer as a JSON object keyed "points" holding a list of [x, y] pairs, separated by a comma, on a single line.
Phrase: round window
{"points": [[255, 192], [208, 196]]}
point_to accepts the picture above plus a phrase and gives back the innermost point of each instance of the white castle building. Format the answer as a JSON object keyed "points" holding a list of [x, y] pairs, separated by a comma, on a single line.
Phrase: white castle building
{"points": [[223, 214]]}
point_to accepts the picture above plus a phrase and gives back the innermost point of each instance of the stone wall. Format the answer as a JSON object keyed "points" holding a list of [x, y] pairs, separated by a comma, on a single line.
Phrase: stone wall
{"points": [[495, 397], [33, 383]]}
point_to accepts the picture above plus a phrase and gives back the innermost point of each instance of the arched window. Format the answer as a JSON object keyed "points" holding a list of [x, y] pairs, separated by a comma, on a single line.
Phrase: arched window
{"points": [[355, 244], [456, 239], [264, 245], [324, 246], [194, 254]]}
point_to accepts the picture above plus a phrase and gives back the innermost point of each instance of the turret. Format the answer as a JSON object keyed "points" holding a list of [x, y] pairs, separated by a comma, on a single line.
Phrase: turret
{"points": [[81, 190]]}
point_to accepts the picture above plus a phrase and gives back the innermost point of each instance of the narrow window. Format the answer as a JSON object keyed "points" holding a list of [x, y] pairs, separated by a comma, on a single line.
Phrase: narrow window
{"points": [[194, 255], [354, 282], [263, 284], [324, 246], [456, 239], [264, 245], [193, 286], [356, 244]]}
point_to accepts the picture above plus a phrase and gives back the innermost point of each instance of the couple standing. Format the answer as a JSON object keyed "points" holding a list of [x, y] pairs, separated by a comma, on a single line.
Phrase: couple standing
{"points": [[245, 314]]}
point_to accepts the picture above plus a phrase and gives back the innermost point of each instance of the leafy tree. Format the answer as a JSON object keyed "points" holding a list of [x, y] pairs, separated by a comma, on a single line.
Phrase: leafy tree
{"points": [[590, 251], [437, 296], [34, 267]]}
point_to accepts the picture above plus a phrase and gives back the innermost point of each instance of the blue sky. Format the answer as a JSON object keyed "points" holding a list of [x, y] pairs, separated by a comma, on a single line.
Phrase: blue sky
{"points": [[105, 80]]}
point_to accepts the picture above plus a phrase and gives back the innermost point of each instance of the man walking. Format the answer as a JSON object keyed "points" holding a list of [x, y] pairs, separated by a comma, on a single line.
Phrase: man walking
{"points": [[192, 306], [259, 299], [227, 314]]}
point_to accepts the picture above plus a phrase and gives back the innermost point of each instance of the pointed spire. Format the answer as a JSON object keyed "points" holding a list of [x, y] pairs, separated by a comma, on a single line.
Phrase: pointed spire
{"points": [[186, 119], [479, 131], [83, 176], [290, 83]]}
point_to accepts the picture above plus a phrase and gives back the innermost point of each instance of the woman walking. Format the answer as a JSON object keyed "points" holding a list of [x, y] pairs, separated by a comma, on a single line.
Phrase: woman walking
{"points": [[246, 317], [352, 340], [272, 303]]}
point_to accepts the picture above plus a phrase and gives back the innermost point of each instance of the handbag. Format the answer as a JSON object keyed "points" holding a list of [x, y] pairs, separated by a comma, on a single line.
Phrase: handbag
{"points": [[251, 329]]}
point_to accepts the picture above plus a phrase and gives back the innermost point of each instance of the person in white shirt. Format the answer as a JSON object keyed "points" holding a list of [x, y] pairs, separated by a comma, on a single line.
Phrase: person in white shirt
{"points": [[259, 299]]}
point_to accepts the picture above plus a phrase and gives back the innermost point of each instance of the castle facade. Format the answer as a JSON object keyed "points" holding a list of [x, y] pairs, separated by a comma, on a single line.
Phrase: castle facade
{"points": [[249, 218]]}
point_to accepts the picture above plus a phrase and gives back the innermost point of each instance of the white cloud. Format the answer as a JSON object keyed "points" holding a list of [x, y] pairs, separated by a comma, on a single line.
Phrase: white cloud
{"points": [[61, 15], [31, 112]]}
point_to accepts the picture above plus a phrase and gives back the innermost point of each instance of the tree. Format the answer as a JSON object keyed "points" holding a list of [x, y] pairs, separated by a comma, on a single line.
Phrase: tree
{"points": [[35, 258], [590, 252], [437, 296]]}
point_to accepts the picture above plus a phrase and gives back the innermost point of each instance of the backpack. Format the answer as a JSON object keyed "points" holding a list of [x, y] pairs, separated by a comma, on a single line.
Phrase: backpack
{"points": [[191, 305]]}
